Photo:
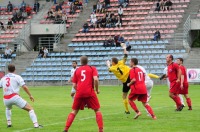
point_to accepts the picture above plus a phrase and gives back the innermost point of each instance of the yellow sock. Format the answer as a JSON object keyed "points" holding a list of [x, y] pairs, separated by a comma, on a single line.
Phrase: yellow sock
{"points": [[125, 101]]}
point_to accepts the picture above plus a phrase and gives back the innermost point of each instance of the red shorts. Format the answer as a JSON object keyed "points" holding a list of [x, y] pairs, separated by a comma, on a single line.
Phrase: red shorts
{"points": [[91, 102], [185, 89], [174, 87], [139, 97]]}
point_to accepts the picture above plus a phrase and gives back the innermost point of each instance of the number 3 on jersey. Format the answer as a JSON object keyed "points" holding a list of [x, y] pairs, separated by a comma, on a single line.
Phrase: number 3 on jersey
{"points": [[83, 75], [8, 82]]}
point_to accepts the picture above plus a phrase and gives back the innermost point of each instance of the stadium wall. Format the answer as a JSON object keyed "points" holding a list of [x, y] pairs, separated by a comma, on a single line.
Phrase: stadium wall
{"points": [[195, 24]]}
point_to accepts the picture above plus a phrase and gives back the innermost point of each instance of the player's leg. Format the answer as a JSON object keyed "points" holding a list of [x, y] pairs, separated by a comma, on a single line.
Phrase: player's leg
{"points": [[149, 109], [149, 89], [8, 117], [188, 100], [181, 98], [99, 119], [70, 119], [73, 91], [124, 97], [177, 100], [32, 115], [132, 98]]}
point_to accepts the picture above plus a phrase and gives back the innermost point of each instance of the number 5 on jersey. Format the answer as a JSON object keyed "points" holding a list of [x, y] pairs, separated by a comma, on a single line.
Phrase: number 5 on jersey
{"points": [[83, 75]]}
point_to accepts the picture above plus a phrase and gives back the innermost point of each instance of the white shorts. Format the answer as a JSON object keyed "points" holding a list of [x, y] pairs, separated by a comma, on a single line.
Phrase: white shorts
{"points": [[73, 90], [15, 100], [149, 85]]}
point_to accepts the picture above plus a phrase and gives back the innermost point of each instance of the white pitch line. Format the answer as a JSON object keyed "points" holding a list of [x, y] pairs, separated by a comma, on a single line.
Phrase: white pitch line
{"points": [[86, 118]]}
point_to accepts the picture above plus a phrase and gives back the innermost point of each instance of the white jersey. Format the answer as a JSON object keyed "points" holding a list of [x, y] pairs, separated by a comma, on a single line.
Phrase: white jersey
{"points": [[72, 71], [165, 72], [11, 83], [147, 78]]}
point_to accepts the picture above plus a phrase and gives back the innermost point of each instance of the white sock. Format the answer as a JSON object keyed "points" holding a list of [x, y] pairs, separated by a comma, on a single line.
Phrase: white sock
{"points": [[33, 118], [8, 116], [181, 98]]}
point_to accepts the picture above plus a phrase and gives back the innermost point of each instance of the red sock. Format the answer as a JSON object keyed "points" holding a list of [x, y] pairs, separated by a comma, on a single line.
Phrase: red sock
{"points": [[69, 121], [149, 109], [133, 105], [177, 101], [188, 100], [99, 120]]}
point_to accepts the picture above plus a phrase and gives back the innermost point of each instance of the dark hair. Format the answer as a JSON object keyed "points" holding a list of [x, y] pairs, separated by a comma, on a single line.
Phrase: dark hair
{"points": [[11, 68], [84, 60], [115, 60], [171, 56], [134, 60], [181, 59], [74, 62]]}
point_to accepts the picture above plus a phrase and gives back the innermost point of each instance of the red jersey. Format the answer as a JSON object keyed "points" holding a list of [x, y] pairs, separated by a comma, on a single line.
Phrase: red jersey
{"points": [[172, 71], [138, 87], [183, 72], [83, 77]]}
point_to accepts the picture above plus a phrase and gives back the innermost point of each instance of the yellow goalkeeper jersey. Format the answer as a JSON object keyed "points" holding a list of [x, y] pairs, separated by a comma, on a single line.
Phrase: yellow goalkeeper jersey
{"points": [[120, 70]]}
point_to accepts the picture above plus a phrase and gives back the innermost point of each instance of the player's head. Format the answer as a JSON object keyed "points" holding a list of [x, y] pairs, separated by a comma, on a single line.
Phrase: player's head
{"points": [[114, 61], [84, 60], [179, 61], [74, 64], [169, 58], [133, 62], [11, 68]]}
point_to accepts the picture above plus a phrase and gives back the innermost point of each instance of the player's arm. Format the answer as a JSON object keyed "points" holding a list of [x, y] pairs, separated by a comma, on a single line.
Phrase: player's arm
{"points": [[153, 76], [178, 74], [28, 92], [96, 84], [70, 80], [74, 86], [125, 56], [182, 78], [131, 82]]}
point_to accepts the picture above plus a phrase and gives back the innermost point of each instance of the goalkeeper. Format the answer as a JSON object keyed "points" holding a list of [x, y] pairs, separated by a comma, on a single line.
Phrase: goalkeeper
{"points": [[121, 71]]}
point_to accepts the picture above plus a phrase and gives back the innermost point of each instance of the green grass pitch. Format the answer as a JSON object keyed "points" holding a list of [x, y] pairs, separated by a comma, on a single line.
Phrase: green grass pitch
{"points": [[52, 105]]}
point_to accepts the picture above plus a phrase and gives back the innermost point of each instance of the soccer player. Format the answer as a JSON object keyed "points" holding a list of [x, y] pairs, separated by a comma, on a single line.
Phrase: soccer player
{"points": [[84, 80], [174, 75], [11, 84], [138, 89], [74, 65], [168, 84], [121, 71], [184, 83]]}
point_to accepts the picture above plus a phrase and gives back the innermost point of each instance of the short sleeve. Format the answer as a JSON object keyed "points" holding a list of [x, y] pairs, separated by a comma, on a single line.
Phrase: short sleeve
{"points": [[95, 72], [74, 78], [176, 67], [21, 81], [72, 73]]}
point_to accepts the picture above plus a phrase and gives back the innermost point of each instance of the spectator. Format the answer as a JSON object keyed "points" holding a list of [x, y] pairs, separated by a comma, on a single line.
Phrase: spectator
{"points": [[41, 53], [116, 40], [58, 6], [85, 28], [119, 22], [168, 5], [93, 19], [121, 2], [162, 3], [72, 8], [50, 14], [121, 40], [23, 8], [108, 22], [107, 16], [157, 36], [45, 52], [2, 26], [24, 15], [99, 22], [28, 10], [99, 7], [9, 7], [10, 24], [120, 11], [113, 21], [23, 4], [103, 8], [64, 18], [157, 6], [19, 17], [7, 53], [126, 2], [103, 22], [14, 14], [112, 14], [107, 3], [36, 7], [59, 13], [109, 42]]}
